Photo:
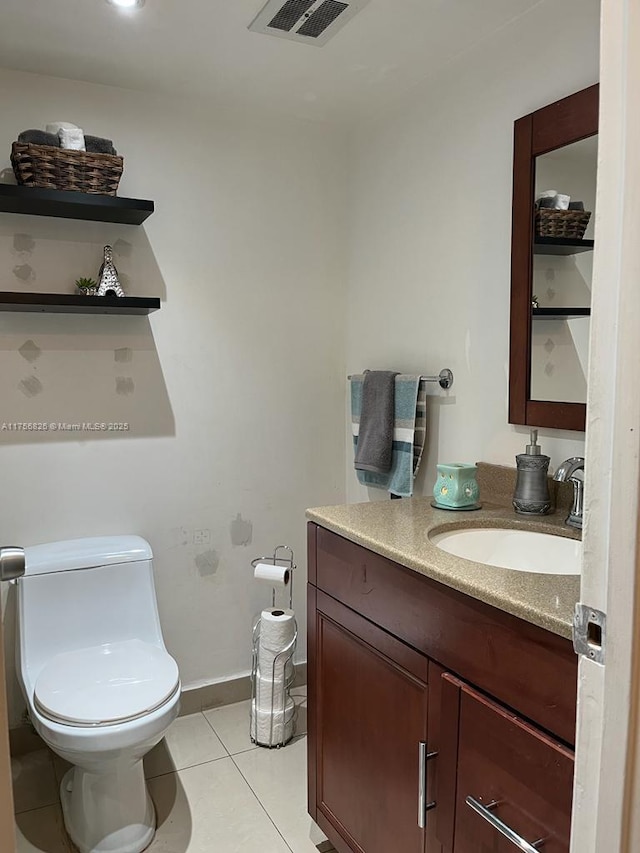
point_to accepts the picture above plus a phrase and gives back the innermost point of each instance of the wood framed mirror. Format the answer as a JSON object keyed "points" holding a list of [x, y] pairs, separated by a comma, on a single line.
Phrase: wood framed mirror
{"points": [[555, 150]]}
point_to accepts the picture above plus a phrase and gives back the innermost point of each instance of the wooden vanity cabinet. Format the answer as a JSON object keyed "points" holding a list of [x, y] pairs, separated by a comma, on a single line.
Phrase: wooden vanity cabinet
{"points": [[399, 666], [510, 777], [371, 717]]}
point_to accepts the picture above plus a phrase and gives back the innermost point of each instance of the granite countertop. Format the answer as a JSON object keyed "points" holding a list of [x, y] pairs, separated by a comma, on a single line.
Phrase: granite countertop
{"points": [[400, 531]]}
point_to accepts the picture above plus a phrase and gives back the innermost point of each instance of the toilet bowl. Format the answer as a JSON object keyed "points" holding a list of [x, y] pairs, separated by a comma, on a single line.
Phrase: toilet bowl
{"points": [[100, 686]]}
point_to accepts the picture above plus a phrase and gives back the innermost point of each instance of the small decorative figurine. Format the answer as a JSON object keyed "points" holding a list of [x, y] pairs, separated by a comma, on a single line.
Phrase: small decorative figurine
{"points": [[456, 486], [87, 286], [108, 282]]}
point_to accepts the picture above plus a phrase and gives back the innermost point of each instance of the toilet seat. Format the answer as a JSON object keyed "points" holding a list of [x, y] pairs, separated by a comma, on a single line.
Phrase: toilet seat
{"points": [[106, 685]]}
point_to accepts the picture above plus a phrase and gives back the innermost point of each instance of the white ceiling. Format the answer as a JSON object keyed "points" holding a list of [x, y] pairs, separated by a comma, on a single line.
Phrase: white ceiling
{"points": [[203, 48]]}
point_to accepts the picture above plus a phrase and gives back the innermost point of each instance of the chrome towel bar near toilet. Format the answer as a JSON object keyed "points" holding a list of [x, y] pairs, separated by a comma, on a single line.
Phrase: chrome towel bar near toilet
{"points": [[444, 378]]}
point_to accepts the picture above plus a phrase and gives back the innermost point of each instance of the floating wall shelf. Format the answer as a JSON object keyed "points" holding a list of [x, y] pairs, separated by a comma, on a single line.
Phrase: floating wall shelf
{"points": [[74, 205], [561, 246], [71, 303], [561, 313]]}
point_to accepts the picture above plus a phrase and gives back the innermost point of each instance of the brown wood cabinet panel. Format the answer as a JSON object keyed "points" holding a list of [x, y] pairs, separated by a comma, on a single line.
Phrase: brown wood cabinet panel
{"points": [[448, 738], [503, 759], [438, 723], [565, 121], [371, 697], [312, 702], [527, 668], [312, 535]]}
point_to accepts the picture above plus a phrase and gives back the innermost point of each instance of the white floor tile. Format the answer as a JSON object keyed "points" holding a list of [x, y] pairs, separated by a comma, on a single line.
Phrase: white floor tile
{"points": [[188, 742], [231, 724], [42, 831], [209, 808], [60, 767], [279, 779], [34, 781]]}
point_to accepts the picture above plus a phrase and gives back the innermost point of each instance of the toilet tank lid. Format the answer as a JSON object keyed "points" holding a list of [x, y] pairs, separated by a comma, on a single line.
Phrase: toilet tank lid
{"points": [[73, 554]]}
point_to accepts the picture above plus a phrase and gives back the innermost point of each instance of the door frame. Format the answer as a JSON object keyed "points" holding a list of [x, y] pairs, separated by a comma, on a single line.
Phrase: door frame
{"points": [[606, 803]]}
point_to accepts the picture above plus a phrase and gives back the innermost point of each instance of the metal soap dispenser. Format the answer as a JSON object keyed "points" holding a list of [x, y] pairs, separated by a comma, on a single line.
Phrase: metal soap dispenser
{"points": [[532, 487]]}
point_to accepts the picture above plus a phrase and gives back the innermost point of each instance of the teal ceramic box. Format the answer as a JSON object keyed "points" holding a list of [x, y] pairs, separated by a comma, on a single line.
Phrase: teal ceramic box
{"points": [[456, 485]]}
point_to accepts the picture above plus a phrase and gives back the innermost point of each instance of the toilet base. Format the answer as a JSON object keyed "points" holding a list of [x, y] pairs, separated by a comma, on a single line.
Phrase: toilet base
{"points": [[108, 812]]}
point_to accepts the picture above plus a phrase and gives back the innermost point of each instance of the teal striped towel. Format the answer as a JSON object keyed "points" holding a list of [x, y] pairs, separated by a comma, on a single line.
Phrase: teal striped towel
{"points": [[409, 433]]}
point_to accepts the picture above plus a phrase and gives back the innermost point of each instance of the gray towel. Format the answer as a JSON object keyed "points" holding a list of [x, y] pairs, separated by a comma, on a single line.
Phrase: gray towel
{"points": [[98, 145], [375, 439], [39, 137]]}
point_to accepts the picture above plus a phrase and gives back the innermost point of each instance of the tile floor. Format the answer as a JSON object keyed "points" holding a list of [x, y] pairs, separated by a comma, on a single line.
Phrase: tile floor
{"points": [[213, 790]]}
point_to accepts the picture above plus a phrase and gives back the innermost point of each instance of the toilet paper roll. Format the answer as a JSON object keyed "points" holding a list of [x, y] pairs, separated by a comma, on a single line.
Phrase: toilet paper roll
{"points": [[278, 577], [277, 630], [277, 627], [282, 672], [273, 668], [283, 721], [270, 695]]}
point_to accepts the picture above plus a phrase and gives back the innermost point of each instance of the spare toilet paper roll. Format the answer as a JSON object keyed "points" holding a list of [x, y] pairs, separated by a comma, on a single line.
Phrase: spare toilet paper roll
{"points": [[276, 675], [277, 627], [277, 630], [276, 576], [270, 695], [262, 730]]}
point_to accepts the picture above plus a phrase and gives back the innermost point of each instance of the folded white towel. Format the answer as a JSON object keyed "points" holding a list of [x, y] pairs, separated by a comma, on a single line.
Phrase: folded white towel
{"points": [[72, 138], [55, 126]]}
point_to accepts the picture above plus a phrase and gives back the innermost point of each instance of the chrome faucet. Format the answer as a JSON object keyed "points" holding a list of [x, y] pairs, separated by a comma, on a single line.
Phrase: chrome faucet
{"points": [[572, 471]]}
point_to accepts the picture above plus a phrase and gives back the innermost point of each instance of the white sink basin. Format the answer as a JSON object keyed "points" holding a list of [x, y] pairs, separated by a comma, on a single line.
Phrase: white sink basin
{"points": [[521, 550]]}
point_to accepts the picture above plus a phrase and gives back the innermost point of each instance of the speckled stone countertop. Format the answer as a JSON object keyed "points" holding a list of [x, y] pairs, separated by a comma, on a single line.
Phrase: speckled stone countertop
{"points": [[400, 530]]}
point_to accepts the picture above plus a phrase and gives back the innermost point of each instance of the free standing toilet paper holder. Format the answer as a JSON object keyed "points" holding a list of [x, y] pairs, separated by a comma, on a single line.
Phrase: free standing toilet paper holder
{"points": [[287, 562], [281, 729]]}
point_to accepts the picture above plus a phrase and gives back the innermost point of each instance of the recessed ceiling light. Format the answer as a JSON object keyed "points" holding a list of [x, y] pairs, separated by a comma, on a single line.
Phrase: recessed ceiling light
{"points": [[126, 4]]}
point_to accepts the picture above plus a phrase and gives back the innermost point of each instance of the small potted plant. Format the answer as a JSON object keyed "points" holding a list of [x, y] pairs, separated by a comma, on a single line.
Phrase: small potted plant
{"points": [[87, 286]]}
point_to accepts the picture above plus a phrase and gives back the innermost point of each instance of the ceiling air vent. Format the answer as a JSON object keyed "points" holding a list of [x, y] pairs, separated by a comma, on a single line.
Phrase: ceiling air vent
{"points": [[306, 21]]}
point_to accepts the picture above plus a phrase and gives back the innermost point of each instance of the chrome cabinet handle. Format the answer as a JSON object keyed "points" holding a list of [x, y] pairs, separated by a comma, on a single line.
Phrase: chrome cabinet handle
{"points": [[423, 805], [486, 813], [12, 564]]}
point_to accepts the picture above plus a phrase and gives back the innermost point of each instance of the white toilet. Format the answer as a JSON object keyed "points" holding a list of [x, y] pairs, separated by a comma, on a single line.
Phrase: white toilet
{"points": [[100, 685]]}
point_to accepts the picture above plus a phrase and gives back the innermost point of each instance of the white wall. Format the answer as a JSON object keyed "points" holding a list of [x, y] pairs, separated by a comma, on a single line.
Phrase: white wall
{"points": [[431, 230], [233, 390]]}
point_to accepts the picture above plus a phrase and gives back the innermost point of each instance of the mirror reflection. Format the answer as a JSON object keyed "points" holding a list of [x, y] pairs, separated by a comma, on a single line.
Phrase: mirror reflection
{"points": [[565, 193]]}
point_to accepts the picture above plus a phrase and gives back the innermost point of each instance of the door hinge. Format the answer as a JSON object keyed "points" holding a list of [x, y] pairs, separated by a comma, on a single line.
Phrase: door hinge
{"points": [[589, 632]]}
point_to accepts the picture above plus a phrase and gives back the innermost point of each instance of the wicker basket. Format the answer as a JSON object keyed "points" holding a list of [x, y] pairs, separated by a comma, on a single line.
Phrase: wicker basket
{"points": [[570, 224], [62, 169]]}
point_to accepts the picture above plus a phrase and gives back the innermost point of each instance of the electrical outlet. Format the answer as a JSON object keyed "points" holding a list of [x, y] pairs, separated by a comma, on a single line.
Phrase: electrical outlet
{"points": [[202, 537]]}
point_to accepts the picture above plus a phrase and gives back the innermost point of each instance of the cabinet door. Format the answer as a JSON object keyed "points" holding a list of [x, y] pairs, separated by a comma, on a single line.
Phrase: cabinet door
{"points": [[514, 782], [370, 722]]}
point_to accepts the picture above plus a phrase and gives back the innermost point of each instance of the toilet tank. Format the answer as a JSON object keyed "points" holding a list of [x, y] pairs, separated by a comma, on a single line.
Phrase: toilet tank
{"points": [[82, 593]]}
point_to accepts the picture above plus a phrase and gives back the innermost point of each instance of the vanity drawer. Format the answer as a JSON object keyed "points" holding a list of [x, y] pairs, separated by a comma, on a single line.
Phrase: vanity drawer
{"points": [[527, 668], [511, 777]]}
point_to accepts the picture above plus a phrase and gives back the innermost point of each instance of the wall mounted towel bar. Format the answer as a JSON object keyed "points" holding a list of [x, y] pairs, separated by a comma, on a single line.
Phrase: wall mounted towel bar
{"points": [[444, 378]]}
